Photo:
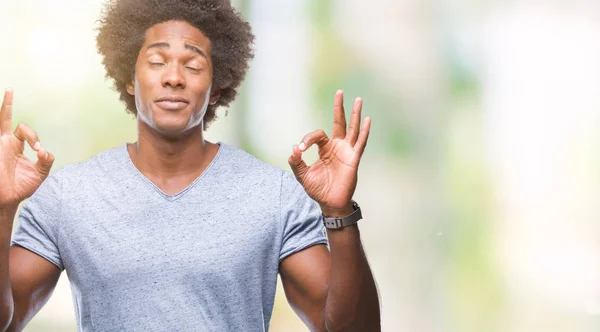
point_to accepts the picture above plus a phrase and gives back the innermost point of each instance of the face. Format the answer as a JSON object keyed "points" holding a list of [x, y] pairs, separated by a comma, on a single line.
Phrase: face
{"points": [[173, 78]]}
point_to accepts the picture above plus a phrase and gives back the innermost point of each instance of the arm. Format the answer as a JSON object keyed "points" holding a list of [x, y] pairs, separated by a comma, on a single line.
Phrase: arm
{"points": [[26, 279], [333, 291], [305, 277], [7, 215], [33, 280]]}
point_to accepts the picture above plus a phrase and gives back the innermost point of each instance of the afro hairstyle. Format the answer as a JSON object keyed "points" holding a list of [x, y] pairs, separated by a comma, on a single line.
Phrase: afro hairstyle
{"points": [[122, 29]]}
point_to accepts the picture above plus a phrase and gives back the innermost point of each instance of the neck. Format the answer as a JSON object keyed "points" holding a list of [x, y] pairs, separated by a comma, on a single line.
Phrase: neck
{"points": [[162, 156]]}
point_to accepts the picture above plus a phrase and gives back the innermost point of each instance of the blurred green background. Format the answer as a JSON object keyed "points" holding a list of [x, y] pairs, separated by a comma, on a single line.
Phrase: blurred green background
{"points": [[480, 182]]}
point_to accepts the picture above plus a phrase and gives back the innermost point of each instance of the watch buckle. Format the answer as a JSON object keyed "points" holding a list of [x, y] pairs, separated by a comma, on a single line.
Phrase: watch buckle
{"points": [[338, 222]]}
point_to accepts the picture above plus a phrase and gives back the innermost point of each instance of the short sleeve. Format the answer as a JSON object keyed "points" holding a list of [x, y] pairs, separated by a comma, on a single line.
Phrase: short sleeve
{"points": [[38, 221], [302, 218]]}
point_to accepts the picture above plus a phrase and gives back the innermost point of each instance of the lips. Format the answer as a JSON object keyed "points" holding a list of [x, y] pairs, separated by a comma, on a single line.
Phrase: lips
{"points": [[172, 103]]}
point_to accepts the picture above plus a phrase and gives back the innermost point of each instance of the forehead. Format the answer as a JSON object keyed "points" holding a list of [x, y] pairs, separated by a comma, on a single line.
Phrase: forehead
{"points": [[176, 30]]}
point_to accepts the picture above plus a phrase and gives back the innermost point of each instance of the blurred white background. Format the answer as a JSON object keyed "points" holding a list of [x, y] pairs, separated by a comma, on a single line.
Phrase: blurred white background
{"points": [[480, 182]]}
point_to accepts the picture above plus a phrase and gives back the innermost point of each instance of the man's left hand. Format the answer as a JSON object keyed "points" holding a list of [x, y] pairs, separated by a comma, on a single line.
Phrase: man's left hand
{"points": [[331, 180]]}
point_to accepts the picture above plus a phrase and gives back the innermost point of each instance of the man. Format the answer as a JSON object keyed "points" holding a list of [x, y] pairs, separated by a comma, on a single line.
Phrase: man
{"points": [[175, 233]]}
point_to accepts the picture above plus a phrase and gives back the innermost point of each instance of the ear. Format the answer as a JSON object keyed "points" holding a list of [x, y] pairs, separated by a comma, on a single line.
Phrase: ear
{"points": [[131, 89], [214, 96]]}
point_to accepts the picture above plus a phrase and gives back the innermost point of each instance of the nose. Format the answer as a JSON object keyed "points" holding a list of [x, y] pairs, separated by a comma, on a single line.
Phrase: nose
{"points": [[173, 77]]}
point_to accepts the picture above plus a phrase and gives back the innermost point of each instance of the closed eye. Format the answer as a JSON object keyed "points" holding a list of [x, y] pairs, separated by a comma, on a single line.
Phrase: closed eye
{"points": [[196, 70]]}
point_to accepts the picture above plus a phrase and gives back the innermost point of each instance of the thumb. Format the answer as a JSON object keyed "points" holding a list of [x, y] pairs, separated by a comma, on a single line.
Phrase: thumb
{"points": [[297, 164], [44, 163]]}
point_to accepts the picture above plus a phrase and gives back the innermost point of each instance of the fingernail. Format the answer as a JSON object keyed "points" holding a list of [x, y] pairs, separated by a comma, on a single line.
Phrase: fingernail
{"points": [[37, 146], [339, 91], [293, 150], [302, 146], [43, 151]]}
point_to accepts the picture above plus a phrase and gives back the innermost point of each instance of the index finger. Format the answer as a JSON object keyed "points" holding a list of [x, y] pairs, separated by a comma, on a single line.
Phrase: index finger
{"points": [[6, 112]]}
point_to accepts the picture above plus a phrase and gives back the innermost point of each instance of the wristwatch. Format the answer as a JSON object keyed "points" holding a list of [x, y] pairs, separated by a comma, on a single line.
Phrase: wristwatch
{"points": [[339, 223]]}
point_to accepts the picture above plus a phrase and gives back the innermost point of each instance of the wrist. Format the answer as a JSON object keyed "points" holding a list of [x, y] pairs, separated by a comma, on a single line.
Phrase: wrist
{"points": [[9, 207], [8, 211], [340, 218], [338, 212]]}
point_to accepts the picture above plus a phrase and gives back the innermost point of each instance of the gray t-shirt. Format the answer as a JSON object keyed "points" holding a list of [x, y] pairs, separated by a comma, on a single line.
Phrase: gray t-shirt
{"points": [[138, 259]]}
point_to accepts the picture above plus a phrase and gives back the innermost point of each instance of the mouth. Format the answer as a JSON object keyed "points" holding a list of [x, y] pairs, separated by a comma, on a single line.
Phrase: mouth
{"points": [[172, 103]]}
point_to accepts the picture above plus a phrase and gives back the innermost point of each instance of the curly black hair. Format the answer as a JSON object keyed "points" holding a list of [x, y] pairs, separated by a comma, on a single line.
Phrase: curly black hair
{"points": [[123, 25]]}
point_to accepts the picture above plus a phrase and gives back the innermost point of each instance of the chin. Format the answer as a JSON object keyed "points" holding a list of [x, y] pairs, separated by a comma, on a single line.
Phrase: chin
{"points": [[173, 123], [178, 127], [175, 129]]}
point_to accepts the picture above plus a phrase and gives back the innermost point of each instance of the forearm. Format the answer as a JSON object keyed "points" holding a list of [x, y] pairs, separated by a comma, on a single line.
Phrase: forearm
{"points": [[7, 216], [352, 300]]}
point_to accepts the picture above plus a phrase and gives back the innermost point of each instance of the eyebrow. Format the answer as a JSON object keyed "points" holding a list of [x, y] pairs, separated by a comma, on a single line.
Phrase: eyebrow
{"points": [[187, 47]]}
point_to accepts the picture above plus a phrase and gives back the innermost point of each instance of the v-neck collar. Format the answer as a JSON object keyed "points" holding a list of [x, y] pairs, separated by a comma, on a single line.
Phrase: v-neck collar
{"points": [[134, 169]]}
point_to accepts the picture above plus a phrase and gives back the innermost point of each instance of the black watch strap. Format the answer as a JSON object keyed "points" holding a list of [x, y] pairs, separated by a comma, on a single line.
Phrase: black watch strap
{"points": [[339, 223]]}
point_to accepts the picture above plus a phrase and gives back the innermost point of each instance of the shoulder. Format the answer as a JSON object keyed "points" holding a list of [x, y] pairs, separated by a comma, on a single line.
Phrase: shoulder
{"points": [[109, 158], [243, 163], [95, 167], [247, 167], [68, 180]]}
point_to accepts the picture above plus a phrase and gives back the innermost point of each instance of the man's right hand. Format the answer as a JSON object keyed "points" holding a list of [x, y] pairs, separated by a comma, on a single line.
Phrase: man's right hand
{"points": [[19, 177]]}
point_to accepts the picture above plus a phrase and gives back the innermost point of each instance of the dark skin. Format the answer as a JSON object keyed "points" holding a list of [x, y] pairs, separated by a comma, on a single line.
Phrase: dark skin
{"points": [[173, 62], [330, 290]]}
